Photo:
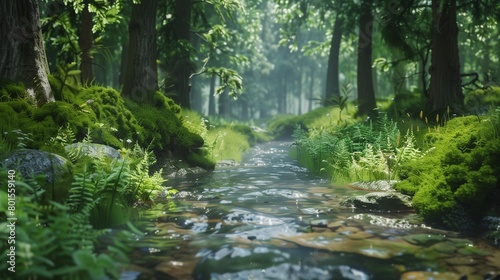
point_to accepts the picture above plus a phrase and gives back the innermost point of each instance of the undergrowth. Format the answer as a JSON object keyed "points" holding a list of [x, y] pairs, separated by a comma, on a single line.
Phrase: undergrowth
{"points": [[372, 150], [66, 241]]}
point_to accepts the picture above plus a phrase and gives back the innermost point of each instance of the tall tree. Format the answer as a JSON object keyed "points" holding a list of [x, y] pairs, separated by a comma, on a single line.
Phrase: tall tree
{"points": [[85, 41], [445, 87], [22, 53], [141, 76], [332, 79], [366, 93], [182, 68]]}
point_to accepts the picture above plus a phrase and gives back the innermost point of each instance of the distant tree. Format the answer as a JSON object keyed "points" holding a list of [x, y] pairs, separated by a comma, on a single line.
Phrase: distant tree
{"points": [[181, 67], [445, 87], [74, 30], [85, 42], [332, 76], [22, 53], [141, 75], [366, 93]]}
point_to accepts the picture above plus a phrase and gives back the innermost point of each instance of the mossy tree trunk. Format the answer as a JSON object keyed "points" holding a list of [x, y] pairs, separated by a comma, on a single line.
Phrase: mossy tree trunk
{"points": [[22, 53], [141, 76], [445, 87], [366, 93]]}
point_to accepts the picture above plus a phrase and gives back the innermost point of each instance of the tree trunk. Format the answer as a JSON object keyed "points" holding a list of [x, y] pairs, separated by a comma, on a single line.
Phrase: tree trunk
{"points": [[85, 39], [299, 88], [182, 64], [332, 72], [211, 96], [224, 104], [141, 76], [399, 79], [22, 54], [445, 87], [311, 89], [366, 93]]}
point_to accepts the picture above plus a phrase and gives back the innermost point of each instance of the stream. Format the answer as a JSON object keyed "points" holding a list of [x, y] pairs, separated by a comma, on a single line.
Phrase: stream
{"points": [[271, 219]]}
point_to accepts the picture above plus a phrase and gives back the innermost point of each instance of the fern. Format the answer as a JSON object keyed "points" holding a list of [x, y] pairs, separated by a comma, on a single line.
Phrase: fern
{"points": [[82, 192]]}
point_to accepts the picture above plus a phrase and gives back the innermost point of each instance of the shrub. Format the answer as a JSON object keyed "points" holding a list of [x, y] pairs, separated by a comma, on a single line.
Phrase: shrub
{"points": [[357, 152], [478, 101], [460, 174]]}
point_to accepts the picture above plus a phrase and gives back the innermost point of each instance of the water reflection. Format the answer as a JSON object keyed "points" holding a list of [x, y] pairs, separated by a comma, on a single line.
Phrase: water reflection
{"points": [[270, 219]]}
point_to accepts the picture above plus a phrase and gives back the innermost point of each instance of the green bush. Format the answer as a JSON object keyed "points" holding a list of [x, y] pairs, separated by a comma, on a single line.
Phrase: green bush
{"points": [[477, 101], [460, 174], [283, 126]]}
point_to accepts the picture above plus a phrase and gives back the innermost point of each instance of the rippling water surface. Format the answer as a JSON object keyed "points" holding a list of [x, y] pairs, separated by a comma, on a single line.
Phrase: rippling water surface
{"points": [[270, 219]]}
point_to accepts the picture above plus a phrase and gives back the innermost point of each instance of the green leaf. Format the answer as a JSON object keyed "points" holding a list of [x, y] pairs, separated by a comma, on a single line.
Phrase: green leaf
{"points": [[74, 72]]}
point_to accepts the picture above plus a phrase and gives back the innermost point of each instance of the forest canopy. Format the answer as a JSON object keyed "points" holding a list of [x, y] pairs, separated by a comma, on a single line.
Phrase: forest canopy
{"points": [[297, 54]]}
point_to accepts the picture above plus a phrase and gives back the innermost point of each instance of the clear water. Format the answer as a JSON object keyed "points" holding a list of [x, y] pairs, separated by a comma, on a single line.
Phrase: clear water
{"points": [[271, 219]]}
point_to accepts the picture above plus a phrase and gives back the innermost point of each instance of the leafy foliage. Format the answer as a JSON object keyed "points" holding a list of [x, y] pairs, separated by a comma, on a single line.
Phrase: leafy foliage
{"points": [[55, 241], [358, 152]]}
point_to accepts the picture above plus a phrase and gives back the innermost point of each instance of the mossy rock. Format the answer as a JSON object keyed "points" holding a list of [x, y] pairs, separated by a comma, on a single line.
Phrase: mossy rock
{"points": [[52, 172], [48, 118], [160, 101], [454, 183], [197, 159], [478, 101], [116, 121]]}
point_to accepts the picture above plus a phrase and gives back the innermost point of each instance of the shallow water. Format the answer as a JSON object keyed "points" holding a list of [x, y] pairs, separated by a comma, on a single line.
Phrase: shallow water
{"points": [[270, 219]]}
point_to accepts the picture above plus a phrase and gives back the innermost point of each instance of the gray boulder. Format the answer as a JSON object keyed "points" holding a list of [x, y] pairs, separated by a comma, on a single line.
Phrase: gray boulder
{"points": [[380, 201], [92, 150], [52, 172]]}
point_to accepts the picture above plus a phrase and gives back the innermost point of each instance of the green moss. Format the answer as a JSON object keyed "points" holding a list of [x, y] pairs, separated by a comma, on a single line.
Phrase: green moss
{"points": [[282, 127], [48, 118], [9, 117], [64, 92], [160, 101], [10, 90], [202, 160], [225, 143], [407, 104], [115, 121], [159, 124], [458, 177], [477, 100]]}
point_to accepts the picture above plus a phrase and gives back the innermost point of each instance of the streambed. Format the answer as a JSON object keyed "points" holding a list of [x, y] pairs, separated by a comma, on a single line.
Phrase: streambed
{"points": [[270, 219]]}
